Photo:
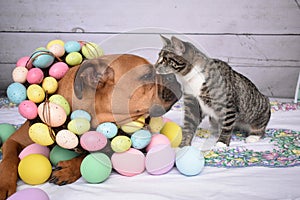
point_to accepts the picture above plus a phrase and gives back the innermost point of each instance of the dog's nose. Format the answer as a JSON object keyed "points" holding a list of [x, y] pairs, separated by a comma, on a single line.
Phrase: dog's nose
{"points": [[156, 110]]}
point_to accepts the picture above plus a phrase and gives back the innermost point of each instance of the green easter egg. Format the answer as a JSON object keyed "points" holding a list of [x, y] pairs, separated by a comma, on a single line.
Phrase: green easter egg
{"points": [[96, 167], [74, 58], [6, 130], [60, 154]]}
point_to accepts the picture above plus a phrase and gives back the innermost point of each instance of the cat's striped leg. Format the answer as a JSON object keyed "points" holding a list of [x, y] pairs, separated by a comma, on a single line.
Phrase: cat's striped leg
{"points": [[192, 119], [227, 124]]}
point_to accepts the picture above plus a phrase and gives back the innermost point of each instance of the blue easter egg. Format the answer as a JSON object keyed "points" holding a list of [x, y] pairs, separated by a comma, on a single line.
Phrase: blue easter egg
{"points": [[42, 59], [140, 139], [81, 114], [16, 93], [189, 161], [108, 129], [72, 46]]}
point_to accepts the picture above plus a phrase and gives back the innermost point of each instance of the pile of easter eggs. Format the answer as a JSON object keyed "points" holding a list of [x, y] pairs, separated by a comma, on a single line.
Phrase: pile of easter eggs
{"points": [[129, 149]]}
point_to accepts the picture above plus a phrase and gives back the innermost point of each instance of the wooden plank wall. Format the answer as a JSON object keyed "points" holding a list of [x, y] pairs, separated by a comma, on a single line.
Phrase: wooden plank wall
{"points": [[259, 38]]}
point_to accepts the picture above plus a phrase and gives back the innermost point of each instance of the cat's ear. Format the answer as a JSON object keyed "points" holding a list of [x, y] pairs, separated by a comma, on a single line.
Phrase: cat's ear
{"points": [[178, 45], [165, 41]]}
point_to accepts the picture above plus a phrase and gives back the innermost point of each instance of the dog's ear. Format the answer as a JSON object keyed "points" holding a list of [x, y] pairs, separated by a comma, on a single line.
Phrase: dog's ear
{"points": [[93, 74]]}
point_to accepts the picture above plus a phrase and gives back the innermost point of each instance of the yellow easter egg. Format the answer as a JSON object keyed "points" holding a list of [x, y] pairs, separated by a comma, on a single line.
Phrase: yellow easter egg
{"points": [[41, 134], [52, 114], [120, 144], [156, 124], [91, 50], [61, 101], [52, 42], [133, 126], [174, 132], [79, 126], [35, 93], [35, 169], [50, 85]]}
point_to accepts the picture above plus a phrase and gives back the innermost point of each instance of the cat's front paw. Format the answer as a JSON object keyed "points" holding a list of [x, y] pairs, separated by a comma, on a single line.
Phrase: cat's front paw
{"points": [[252, 138], [221, 145]]}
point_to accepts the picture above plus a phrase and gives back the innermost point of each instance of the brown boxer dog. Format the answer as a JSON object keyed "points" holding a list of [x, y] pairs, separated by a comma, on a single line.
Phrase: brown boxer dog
{"points": [[112, 88]]}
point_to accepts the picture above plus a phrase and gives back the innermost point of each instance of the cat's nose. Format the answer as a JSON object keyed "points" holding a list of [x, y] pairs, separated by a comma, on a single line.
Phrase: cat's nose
{"points": [[156, 110]]}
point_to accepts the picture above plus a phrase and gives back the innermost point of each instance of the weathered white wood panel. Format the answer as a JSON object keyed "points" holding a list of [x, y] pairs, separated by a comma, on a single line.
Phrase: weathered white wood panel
{"points": [[190, 16], [258, 38]]}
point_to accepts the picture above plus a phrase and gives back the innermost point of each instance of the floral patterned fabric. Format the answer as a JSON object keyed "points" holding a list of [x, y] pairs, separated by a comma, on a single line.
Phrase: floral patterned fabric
{"points": [[282, 150]]}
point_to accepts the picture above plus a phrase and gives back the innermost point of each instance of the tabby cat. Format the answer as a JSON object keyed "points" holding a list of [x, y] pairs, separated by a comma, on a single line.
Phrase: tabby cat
{"points": [[212, 88]]}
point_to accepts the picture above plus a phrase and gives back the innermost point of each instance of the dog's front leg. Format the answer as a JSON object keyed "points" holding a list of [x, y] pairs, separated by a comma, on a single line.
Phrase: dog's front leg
{"points": [[9, 168]]}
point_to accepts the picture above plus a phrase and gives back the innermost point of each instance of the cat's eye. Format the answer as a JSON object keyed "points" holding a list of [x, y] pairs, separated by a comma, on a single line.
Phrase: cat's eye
{"points": [[149, 76]]}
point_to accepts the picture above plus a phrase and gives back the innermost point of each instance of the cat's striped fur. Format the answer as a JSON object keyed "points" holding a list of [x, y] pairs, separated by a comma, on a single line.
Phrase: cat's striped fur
{"points": [[226, 96]]}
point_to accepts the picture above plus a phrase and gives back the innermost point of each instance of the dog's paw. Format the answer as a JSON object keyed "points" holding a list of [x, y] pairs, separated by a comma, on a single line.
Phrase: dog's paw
{"points": [[252, 138], [66, 172], [221, 145], [8, 183]]}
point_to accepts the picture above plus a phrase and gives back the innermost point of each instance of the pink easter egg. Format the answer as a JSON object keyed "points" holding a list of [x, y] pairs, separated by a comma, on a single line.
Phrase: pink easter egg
{"points": [[57, 49], [35, 76], [34, 149], [160, 159], [157, 139], [129, 163], [58, 70], [93, 141], [24, 62], [28, 109]]}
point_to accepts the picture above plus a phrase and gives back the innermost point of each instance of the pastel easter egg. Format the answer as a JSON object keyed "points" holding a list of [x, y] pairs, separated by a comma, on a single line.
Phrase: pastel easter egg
{"points": [[108, 129], [73, 58], [93, 141], [189, 161], [129, 163], [35, 149], [158, 139], [58, 154], [35, 76], [6, 130], [174, 132], [16, 93], [57, 49], [156, 124], [41, 134], [53, 42], [120, 143], [140, 139], [35, 93], [160, 159], [133, 126], [24, 62], [35, 169], [61, 101], [29, 194], [52, 114], [72, 46], [96, 167], [91, 50], [79, 126], [42, 59], [58, 70], [66, 139], [50, 85], [81, 114], [19, 74], [28, 109]]}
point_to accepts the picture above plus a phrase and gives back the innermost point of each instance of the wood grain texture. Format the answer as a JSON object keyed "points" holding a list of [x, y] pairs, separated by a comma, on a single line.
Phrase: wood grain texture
{"points": [[260, 39], [191, 16]]}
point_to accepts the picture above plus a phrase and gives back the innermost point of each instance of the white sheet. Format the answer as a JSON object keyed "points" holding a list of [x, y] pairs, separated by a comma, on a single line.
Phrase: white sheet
{"points": [[213, 183]]}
